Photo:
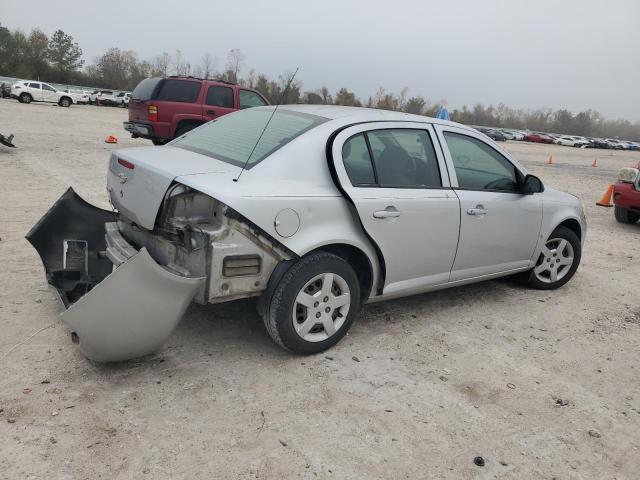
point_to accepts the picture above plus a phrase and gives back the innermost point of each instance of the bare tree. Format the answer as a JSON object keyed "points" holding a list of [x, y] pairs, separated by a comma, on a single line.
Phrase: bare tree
{"points": [[235, 61], [181, 66], [160, 65], [208, 66]]}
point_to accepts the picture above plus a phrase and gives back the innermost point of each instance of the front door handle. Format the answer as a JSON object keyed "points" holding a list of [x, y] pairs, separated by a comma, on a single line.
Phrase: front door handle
{"points": [[479, 210], [389, 212], [211, 112]]}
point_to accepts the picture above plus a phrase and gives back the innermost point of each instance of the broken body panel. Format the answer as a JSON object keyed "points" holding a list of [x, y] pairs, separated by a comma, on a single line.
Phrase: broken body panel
{"points": [[125, 287]]}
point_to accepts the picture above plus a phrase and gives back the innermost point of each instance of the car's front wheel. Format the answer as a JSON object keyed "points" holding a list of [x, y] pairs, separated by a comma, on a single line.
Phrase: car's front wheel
{"points": [[65, 102], [313, 304], [558, 260], [624, 215]]}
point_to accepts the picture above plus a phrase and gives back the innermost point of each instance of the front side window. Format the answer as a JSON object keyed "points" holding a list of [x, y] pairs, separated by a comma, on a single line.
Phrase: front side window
{"points": [[241, 138], [47, 87], [250, 99], [480, 167], [220, 97]]}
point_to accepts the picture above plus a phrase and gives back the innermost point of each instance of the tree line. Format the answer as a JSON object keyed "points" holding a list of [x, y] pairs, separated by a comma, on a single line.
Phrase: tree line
{"points": [[58, 59]]}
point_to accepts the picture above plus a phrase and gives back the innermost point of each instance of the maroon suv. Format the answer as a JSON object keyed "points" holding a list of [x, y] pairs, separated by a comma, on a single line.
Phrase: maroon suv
{"points": [[162, 109]]}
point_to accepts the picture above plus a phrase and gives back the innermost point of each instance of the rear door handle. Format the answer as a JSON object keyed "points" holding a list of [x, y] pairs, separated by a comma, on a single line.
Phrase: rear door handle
{"points": [[389, 212], [479, 210]]}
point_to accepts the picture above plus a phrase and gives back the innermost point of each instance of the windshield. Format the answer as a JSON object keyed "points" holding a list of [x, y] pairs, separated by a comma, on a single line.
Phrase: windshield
{"points": [[232, 138]]}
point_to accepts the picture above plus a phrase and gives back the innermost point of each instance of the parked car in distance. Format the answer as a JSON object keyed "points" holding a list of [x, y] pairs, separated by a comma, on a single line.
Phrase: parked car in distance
{"points": [[5, 90], [79, 96], [107, 98], [122, 99], [28, 91], [97, 94], [626, 195], [493, 134], [538, 138], [568, 141], [162, 109], [313, 209]]}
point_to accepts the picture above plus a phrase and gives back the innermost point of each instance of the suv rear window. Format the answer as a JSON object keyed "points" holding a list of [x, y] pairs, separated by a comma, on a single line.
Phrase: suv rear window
{"points": [[232, 138], [178, 91]]}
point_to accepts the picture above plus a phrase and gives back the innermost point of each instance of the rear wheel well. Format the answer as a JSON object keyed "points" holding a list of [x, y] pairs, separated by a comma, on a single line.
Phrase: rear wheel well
{"points": [[358, 260], [186, 123], [574, 226]]}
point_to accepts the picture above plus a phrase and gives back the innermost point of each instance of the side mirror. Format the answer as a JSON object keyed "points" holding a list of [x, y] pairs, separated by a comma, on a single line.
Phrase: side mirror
{"points": [[531, 185]]}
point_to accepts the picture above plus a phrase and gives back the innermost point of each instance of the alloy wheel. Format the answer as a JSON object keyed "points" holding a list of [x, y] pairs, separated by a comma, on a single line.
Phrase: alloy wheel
{"points": [[555, 260], [321, 307]]}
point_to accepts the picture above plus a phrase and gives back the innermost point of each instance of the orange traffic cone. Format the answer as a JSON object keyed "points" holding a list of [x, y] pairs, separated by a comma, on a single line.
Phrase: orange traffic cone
{"points": [[595, 162], [605, 200], [111, 139], [550, 161]]}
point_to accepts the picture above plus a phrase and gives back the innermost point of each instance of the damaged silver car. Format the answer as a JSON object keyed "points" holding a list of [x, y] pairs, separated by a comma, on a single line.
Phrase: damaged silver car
{"points": [[314, 210]]}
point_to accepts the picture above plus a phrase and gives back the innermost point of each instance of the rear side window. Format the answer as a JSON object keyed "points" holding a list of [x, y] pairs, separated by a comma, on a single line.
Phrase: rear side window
{"points": [[402, 158], [34, 85], [220, 97], [250, 99], [241, 137], [357, 161], [178, 91]]}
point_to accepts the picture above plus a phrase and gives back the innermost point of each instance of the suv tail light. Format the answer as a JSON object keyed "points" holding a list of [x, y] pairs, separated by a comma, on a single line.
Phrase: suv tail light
{"points": [[153, 113]]}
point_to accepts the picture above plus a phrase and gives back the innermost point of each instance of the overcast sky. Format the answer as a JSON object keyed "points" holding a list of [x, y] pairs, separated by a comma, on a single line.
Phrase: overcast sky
{"points": [[559, 54]]}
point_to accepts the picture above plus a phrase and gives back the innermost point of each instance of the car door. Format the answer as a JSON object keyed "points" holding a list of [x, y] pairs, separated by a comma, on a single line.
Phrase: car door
{"points": [[397, 180], [35, 90], [49, 94], [218, 101], [499, 226]]}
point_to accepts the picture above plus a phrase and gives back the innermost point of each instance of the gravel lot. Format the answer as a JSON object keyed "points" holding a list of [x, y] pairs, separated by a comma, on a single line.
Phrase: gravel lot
{"points": [[418, 388]]}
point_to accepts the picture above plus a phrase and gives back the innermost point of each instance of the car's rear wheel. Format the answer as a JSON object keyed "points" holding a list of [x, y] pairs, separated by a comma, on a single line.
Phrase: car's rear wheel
{"points": [[25, 98], [313, 304], [624, 215], [558, 260]]}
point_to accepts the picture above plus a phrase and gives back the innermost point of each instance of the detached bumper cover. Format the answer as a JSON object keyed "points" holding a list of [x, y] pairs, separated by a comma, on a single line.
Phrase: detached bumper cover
{"points": [[113, 316]]}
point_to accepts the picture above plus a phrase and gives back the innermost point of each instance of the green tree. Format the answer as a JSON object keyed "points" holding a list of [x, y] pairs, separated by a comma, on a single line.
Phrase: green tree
{"points": [[345, 97], [65, 55]]}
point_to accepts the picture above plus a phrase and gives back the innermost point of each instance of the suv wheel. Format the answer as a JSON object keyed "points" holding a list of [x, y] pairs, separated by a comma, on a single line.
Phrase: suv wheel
{"points": [[313, 304], [64, 102], [25, 98], [626, 216], [558, 261]]}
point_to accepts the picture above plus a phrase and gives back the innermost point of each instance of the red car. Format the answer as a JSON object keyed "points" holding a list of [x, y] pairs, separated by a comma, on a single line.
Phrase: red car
{"points": [[626, 195], [538, 138], [161, 109]]}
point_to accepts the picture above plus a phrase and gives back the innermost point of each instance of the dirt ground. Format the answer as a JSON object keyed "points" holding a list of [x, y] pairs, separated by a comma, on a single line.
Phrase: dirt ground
{"points": [[418, 388]]}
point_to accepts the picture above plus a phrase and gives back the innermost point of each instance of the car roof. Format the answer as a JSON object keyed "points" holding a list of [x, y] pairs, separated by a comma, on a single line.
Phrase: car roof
{"points": [[348, 115]]}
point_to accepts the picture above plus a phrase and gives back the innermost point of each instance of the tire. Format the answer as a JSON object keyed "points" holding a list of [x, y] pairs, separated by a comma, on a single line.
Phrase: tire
{"points": [[184, 129], [158, 141], [64, 102], [25, 98], [624, 215], [307, 281], [561, 245]]}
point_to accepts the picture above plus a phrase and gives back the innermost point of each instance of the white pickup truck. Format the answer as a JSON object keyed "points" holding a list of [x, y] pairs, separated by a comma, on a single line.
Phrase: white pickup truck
{"points": [[27, 91]]}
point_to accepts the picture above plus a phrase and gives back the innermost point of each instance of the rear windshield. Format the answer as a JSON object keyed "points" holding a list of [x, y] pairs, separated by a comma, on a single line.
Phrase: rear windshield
{"points": [[232, 138], [145, 89], [178, 91]]}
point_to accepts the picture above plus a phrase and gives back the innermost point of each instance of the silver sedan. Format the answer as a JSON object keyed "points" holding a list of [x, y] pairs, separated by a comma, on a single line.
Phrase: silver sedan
{"points": [[314, 210]]}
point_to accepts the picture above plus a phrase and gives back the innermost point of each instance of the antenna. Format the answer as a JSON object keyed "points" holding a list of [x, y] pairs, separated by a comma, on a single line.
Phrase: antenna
{"points": [[284, 92]]}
